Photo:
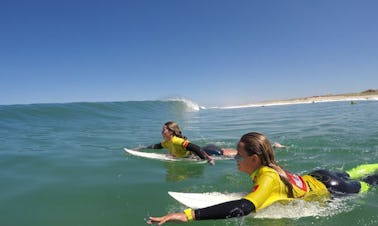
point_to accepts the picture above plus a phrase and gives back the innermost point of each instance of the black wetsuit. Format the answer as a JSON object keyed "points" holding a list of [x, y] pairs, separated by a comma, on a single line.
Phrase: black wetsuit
{"points": [[339, 184], [210, 149]]}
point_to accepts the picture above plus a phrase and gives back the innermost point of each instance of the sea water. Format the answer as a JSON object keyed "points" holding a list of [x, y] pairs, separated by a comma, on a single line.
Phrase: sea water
{"points": [[64, 164]]}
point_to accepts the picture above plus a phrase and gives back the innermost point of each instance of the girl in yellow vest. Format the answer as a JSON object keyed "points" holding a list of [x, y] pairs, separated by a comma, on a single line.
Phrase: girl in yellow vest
{"points": [[179, 146], [272, 183]]}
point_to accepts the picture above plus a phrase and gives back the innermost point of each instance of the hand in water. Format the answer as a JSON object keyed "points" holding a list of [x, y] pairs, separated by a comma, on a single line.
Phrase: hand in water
{"points": [[211, 161], [177, 217]]}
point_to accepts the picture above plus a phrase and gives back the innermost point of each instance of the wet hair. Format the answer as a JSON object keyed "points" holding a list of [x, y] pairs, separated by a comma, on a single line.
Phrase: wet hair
{"points": [[258, 143], [173, 127]]}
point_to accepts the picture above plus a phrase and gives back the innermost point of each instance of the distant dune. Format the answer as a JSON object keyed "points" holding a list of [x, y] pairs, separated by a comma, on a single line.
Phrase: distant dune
{"points": [[370, 94]]}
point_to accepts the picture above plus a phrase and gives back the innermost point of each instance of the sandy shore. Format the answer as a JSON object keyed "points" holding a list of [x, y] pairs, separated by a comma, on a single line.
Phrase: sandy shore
{"points": [[352, 97]]}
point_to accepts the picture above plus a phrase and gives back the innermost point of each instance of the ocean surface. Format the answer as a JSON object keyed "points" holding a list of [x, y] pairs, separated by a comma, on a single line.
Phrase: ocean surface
{"points": [[64, 164]]}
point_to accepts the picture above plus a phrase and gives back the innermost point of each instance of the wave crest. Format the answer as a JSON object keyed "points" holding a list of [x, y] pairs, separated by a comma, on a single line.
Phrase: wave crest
{"points": [[190, 105]]}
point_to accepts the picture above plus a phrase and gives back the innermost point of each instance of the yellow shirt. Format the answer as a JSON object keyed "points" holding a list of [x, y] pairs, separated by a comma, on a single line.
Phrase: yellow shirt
{"points": [[269, 188], [177, 147]]}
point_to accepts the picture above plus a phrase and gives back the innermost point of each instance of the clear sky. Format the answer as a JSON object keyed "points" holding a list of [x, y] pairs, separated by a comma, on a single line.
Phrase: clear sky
{"points": [[212, 52]]}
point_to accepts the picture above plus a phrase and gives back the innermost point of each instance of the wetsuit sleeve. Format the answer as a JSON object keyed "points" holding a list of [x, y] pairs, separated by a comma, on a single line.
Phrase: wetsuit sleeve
{"points": [[155, 146], [195, 148], [237, 208]]}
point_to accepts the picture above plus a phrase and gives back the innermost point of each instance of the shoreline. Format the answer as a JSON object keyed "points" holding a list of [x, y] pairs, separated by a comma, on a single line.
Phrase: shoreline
{"points": [[369, 95]]}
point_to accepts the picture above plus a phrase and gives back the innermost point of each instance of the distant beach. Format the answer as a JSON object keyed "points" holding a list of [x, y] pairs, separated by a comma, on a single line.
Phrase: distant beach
{"points": [[370, 94]]}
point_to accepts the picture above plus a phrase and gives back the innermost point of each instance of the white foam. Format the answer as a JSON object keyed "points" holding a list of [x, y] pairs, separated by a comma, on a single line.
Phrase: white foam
{"points": [[300, 208], [191, 106]]}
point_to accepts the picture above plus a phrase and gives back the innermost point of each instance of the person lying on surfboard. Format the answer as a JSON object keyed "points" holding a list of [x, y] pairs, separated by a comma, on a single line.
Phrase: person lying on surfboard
{"points": [[272, 183], [179, 146]]}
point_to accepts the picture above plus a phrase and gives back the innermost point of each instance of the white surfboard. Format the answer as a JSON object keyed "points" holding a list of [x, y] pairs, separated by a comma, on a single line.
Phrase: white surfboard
{"points": [[201, 200], [295, 209], [161, 156], [168, 157]]}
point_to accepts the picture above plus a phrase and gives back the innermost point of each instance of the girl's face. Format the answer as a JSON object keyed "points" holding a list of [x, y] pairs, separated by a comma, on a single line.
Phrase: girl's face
{"points": [[246, 163], [166, 133]]}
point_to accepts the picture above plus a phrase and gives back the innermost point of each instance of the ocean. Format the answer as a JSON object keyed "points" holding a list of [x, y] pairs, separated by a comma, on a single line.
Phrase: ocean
{"points": [[64, 164]]}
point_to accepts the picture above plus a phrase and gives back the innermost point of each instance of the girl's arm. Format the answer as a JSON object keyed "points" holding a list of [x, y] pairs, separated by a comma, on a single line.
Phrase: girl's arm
{"points": [[237, 208], [197, 150]]}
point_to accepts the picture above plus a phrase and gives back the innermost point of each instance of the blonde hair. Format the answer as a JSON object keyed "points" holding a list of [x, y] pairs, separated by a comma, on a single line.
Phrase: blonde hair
{"points": [[258, 143]]}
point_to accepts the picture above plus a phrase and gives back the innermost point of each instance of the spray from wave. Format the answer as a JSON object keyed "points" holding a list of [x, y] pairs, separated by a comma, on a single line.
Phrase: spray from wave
{"points": [[190, 105]]}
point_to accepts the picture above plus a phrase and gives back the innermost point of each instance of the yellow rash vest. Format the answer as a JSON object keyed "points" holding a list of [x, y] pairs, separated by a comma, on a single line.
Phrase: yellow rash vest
{"points": [[269, 188], [177, 147]]}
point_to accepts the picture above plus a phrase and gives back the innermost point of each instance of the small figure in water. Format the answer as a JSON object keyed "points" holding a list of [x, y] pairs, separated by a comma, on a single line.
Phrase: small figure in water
{"points": [[278, 145], [179, 146]]}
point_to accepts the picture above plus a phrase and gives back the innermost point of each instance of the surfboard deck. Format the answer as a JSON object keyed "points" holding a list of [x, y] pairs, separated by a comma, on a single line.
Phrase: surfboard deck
{"points": [[168, 157], [202, 200], [295, 209], [161, 156]]}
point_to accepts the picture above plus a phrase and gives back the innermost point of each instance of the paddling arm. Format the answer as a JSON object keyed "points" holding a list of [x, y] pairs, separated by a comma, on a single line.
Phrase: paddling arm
{"points": [[197, 150], [237, 208]]}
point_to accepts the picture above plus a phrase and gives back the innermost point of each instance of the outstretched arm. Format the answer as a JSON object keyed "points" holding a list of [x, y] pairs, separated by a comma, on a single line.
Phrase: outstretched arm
{"points": [[197, 150], [237, 208]]}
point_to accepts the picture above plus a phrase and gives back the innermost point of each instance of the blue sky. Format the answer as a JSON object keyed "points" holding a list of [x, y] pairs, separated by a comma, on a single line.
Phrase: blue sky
{"points": [[214, 53]]}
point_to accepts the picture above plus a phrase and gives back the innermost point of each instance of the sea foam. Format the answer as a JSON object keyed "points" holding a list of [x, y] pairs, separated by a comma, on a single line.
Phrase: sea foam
{"points": [[190, 105]]}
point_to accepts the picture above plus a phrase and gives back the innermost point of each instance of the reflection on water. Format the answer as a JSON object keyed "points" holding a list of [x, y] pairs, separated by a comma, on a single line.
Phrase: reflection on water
{"points": [[179, 171]]}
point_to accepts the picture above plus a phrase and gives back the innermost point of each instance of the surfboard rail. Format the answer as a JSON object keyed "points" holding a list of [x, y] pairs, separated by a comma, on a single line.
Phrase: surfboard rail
{"points": [[162, 156]]}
